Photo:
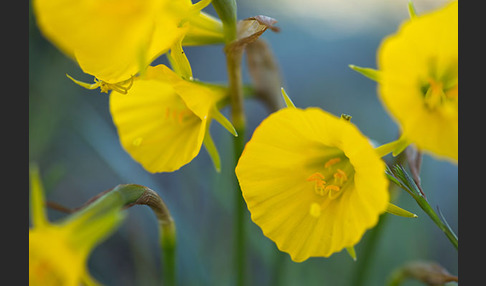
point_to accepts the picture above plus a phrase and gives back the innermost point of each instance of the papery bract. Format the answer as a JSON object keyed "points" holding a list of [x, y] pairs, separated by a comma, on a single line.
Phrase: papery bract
{"points": [[312, 182]]}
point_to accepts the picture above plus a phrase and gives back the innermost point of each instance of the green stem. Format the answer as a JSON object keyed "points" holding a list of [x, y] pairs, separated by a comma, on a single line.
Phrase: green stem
{"points": [[278, 266], [403, 180], [365, 259], [226, 10], [240, 246], [167, 235], [238, 119], [127, 195], [425, 206]]}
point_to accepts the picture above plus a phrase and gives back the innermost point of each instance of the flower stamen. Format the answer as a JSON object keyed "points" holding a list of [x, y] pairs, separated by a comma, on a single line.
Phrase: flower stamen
{"points": [[176, 115], [320, 184], [332, 191], [121, 87], [332, 162], [340, 176]]}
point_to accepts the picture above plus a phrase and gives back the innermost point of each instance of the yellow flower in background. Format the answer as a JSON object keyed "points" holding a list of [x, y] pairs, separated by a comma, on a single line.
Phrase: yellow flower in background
{"points": [[312, 182], [163, 120], [58, 252], [113, 40], [418, 80]]}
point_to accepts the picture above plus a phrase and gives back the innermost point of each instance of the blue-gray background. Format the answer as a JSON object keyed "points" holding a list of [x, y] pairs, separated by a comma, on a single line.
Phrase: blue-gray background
{"points": [[73, 140]]}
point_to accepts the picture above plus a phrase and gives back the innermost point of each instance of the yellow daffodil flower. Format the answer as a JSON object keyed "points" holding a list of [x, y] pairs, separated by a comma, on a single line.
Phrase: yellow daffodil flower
{"points": [[58, 252], [163, 119], [113, 40], [418, 80], [312, 182]]}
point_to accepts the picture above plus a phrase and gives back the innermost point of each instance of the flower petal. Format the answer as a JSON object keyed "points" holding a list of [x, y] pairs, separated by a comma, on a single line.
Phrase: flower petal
{"points": [[424, 48], [155, 125]]}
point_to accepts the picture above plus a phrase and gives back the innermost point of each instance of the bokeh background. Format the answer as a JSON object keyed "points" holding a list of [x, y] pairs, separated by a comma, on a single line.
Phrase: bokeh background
{"points": [[73, 140]]}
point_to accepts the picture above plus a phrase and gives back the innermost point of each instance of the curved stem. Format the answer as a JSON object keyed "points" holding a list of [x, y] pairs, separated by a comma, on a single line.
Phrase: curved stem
{"points": [[167, 234], [126, 195]]}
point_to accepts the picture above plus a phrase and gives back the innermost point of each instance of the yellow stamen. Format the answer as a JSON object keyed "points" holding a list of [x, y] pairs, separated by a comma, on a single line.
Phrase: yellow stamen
{"points": [[332, 162], [315, 176], [320, 184], [106, 87], [332, 188], [176, 115], [434, 94], [333, 191], [340, 176]]}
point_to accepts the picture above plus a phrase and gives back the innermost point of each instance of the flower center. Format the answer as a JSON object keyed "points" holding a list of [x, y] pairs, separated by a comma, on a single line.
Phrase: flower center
{"points": [[177, 115], [121, 87], [437, 93], [330, 182]]}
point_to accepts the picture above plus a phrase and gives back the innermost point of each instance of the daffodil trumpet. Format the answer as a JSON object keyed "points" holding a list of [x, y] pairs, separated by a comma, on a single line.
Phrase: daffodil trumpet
{"points": [[417, 78], [163, 119], [114, 40], [327, 192]]}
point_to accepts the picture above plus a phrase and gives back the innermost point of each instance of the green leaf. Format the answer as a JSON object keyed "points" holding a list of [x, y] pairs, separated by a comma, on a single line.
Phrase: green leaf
{"points": [[287, 99], [393, 209], [411, 10], [352, 252], [212, 150], [218, 116], [37, 200], [368, 72]]}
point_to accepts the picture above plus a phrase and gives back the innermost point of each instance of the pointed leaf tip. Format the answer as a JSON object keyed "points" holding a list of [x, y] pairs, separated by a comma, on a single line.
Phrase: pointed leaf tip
{"points": [[37, 199], [393, 209], [218, 116], [212, 151], [368, 72], [84, 84], [411, 10], [352, 252], [287, 99]]}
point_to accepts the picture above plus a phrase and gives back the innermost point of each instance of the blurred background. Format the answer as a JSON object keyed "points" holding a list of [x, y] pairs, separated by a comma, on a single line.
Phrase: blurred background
{"points": [[73, 140]]}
